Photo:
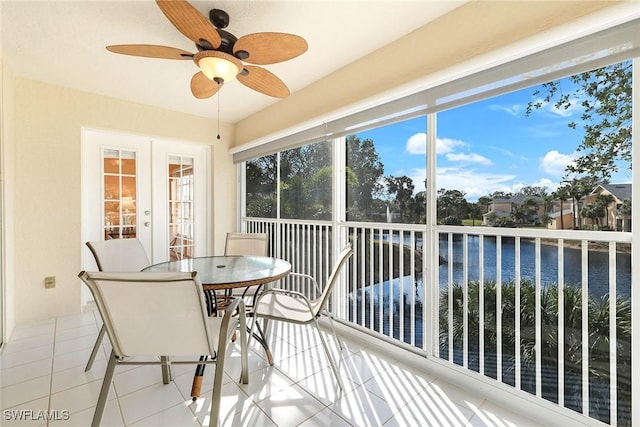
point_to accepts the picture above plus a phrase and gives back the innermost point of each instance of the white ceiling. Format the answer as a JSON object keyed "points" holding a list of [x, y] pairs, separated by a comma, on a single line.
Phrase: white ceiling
{"points": [[63, 43]]}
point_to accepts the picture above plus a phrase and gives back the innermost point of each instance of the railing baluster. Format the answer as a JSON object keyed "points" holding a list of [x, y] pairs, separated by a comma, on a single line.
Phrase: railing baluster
{"points": [[585, 326], [390, 279], [613, 337], [499, 308], [517, 312], [361, 246], [538, 317], [450, 291], [372, 281], [400, 284], [465, 300], [380, 281], [481, 303], [561, 322], [412, 303]]}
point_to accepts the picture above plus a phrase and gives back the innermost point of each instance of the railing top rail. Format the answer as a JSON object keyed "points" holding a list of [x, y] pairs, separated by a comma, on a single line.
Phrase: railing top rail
{"points": [[384, 225], [287, 221], [600, 236]]}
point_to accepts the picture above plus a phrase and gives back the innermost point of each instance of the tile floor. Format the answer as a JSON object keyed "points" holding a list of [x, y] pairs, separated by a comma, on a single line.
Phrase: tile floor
{"points": [[42, 374]]}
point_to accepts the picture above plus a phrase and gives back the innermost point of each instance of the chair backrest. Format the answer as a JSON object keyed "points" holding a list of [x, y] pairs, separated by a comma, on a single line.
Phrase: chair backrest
{"points": [[347, 251], [152, 313], [119, 255], [253, 244]]}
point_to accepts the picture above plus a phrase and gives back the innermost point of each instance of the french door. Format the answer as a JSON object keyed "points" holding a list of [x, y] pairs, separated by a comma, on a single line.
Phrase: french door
{"points": [[147, 188]]}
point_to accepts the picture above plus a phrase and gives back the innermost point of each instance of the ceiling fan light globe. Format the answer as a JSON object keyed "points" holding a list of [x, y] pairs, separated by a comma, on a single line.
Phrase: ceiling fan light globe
{"points": [[214, 67]]}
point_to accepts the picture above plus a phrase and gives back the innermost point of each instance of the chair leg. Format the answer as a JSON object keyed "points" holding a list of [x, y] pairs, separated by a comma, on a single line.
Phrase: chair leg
{"points": [[166, 370], [326, 350], [104, 391], [335, 333], [244, 344], [216, 393], [263, 341], [96, 346]]}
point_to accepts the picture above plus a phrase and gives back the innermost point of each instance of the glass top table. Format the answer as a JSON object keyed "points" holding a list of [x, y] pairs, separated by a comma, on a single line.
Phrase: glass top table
{"points": [[227, 272]]}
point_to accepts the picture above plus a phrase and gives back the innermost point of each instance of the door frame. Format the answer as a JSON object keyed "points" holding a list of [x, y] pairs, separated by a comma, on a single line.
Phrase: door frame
{"points": [[159, 150]]}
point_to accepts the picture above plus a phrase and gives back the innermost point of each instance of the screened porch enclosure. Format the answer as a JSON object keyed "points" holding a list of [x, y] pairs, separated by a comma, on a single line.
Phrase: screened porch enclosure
{"points": [[465, 251]]}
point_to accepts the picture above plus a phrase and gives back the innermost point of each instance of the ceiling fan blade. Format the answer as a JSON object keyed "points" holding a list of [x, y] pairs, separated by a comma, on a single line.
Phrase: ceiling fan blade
{"points": [[190, 22], [269, 48], [202, 87], [263, 81], [150, 51]]}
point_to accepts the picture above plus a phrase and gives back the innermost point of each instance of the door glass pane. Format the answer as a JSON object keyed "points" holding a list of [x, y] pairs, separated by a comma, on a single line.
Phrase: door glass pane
{"points": [[181, 223], [119, 190]]}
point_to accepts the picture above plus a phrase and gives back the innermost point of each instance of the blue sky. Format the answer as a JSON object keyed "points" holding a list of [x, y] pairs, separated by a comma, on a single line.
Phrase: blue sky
{"points": [[488, 146]]}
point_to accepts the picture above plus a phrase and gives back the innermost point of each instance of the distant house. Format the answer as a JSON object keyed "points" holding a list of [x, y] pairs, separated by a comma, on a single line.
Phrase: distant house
{"points": [[615, 215], [561, 220], [503, 207]]}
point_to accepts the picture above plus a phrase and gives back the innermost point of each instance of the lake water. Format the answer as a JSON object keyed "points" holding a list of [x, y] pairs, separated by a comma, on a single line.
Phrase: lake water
{"points": [[598, 265]]}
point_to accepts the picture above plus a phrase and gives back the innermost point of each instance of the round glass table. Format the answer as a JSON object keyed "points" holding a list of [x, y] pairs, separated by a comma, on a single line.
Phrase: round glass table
{"points": [[226, 272]]}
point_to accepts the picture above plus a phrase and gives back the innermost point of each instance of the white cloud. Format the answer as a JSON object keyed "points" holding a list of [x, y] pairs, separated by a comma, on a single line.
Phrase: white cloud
{"points": [[447, 145], [513, 110], [555, 163], [551, 186], [417, 144], [468, 158], [474, 184]]}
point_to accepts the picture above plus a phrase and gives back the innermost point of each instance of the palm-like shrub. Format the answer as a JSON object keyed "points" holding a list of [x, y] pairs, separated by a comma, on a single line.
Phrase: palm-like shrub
{"points": [[598, 342]]}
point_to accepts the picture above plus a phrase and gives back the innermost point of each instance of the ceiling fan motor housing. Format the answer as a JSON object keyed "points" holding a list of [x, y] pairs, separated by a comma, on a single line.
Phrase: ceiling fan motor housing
{"points": [[219, 18]]}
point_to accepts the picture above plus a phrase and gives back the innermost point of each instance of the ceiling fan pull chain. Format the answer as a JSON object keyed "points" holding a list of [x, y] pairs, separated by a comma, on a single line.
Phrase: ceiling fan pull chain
{"points": [[218, 114]]}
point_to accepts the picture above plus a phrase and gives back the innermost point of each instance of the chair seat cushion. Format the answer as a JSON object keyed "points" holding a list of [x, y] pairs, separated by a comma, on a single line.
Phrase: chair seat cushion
{"points": [[281, 306]]}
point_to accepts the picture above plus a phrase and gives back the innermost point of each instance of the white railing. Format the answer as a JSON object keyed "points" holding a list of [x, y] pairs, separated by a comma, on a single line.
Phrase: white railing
{"points": [[561, 294]]}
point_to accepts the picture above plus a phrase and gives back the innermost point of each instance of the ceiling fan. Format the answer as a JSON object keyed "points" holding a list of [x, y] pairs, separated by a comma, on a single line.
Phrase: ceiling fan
{"points": [[220, 54]]}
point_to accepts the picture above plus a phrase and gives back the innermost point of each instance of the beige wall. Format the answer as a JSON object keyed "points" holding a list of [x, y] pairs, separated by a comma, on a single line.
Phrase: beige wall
{"points": [[47, 204], [467, 32], [7, 175]]}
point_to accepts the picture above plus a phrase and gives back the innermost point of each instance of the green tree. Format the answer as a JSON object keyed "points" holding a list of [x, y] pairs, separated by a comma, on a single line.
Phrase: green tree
{"points": [[401, 189], [626, 207], [606, 100], [578, 188], [606, 200], [483, 203], [562, 194], [306, 182], [527, 212], [533, 190], [365, 185], [475, 212], [261, 186], [451, 206], [594, 212]]}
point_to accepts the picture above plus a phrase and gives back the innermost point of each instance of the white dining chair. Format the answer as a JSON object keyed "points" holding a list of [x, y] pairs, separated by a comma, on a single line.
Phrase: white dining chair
{"points": [[154, 314], [247, 244], [294, 307], [115, 255]]}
